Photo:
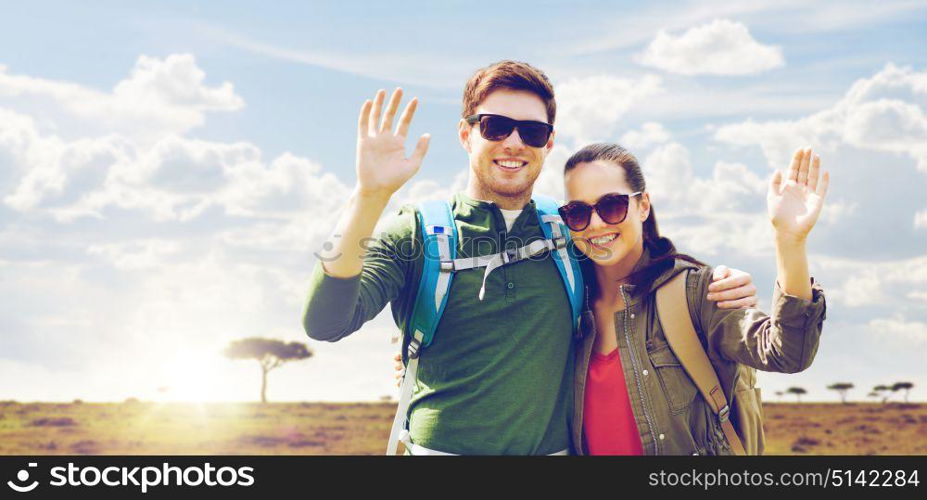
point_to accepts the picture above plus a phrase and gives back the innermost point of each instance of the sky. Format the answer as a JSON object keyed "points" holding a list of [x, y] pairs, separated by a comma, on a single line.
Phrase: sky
{"points": [[168, 170]]}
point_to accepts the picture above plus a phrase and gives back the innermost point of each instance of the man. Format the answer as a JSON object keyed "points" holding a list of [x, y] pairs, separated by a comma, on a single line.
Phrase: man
{"points": [[498, 377]]}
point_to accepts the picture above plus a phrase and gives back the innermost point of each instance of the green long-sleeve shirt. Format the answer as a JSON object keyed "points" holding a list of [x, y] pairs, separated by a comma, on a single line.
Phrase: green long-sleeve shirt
{"points": [[497, 377]]}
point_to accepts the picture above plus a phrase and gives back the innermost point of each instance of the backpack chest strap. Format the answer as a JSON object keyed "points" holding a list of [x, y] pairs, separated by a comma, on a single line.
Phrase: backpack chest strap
{"points": [[495, 261]]}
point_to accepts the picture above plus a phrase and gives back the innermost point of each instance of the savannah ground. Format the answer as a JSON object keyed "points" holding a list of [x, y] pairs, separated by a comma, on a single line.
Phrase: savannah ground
{"points": [[143, 428]]}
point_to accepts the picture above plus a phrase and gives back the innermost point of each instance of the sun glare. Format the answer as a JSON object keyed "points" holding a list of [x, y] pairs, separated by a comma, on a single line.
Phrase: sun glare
{"points": [[190, 377]]}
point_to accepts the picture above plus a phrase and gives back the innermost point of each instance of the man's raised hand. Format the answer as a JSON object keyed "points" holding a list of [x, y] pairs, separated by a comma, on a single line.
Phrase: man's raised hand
{"points": [[382, 165]]}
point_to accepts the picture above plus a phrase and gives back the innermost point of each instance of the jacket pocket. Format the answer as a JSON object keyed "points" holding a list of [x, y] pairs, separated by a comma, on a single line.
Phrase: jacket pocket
{"points": [[678, 388]]}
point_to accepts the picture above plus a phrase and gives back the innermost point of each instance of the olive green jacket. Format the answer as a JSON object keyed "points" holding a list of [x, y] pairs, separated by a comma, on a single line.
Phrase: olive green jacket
{"points": [[671, 415]]}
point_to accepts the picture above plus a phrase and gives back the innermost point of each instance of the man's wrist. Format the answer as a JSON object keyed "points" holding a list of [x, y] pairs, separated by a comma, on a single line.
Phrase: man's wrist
{"points": [[791, 241], [378, 196]]}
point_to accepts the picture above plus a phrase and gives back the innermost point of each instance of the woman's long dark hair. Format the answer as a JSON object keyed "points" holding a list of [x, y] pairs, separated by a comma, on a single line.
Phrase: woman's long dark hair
{"points": [[662, 252]]}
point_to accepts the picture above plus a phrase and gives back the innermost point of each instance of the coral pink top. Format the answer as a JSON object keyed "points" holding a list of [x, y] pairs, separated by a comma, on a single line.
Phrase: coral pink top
{"points": [[608, 420]]}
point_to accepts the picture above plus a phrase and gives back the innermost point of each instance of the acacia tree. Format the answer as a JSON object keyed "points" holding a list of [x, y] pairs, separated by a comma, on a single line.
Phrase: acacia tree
{"points": [[842, 388], [797, 391], [270, 353], [882, 390], [903, 385]]}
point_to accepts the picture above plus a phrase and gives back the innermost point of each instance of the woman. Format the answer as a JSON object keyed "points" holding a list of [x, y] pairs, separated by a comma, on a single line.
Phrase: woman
{"points": [[632, 394]]}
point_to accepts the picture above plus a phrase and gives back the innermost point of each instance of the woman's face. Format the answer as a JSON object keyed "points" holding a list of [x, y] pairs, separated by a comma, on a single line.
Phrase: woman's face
{"points": [[612, 242]]}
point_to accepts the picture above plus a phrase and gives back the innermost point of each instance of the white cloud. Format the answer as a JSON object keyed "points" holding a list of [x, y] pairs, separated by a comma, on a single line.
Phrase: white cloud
{"points": [[707, 215], [159, 96], [857, 282], [174, 179], [732, 187], [590, 108], [903, 332], [920, 219], [860, 289], [650, 134], [784, 16], [884, 113], [721, 47], [136, 255]]}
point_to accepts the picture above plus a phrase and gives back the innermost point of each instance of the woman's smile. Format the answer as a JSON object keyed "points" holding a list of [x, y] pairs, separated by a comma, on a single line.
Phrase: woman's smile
{"points": [[604, 241]]}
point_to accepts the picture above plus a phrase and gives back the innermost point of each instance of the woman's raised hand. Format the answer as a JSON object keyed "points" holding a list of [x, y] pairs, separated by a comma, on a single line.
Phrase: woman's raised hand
{"points": [[382, 165], [795, 203]]}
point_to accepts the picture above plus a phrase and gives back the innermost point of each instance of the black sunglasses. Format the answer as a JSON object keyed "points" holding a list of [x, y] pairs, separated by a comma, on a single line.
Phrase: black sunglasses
{"points": [[498, 127], [612, 209]]}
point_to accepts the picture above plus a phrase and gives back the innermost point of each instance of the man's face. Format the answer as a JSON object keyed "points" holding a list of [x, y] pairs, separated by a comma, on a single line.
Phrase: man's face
{"points": [[507, 167]]}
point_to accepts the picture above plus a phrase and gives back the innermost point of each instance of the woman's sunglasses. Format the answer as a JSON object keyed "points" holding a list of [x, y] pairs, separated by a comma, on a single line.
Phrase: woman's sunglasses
{"points": [[612, 209], [498, 127]]}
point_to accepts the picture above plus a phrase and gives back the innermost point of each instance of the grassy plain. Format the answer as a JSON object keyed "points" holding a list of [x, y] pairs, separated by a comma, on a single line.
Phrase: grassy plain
{"points": [[143, 428]]}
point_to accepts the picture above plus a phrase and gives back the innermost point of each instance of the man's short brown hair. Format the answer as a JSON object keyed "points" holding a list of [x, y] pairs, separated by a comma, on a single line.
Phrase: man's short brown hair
{"points": [[511, 75]]}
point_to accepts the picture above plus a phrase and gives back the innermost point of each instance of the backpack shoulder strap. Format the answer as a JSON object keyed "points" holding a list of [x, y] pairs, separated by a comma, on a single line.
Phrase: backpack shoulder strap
{"points": [[673, 312], [439, 234], [556, 231]]}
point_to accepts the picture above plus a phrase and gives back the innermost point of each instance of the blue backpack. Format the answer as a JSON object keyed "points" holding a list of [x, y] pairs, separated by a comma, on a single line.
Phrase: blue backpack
{"points": [[439, 233]]}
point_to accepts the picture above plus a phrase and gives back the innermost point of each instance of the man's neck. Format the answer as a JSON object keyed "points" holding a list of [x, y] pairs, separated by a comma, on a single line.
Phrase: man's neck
{"points": [[516, 202]]}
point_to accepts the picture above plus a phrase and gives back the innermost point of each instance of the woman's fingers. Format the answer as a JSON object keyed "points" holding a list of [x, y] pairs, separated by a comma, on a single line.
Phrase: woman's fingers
{"points": [[375, 111], [803, 168], [775, 185], [796, 162], [406, 117], [822, 186], [814, 173], [391, 110]]}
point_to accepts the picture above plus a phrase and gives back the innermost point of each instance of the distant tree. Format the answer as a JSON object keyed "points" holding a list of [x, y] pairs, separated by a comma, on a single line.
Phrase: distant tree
{"points": [[842, 388], [270, 353], [797, 391], [872, 395], [779, 393], [903, 385], [882, 390]]}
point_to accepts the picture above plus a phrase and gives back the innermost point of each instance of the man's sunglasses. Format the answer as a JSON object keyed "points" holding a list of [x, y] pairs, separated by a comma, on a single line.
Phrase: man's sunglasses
{"points": [[612, 209], [498, 127]]}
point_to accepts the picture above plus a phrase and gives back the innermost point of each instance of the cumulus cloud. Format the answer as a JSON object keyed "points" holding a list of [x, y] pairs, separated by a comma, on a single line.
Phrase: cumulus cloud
{"points": [[145, 243], [721, 47], [135, 255], [883, 113], [175, 178], [732, 187], [920, 219], [650, 134], [708, 214], [860, 282], [159, 96], [902, 331], [590, 108]]}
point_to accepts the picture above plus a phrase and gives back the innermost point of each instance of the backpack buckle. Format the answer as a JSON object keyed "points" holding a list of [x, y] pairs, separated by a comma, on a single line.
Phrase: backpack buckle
{"points": [[559, 242], [447, 265], [508, 254], [413, 349], [724, 414]]}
